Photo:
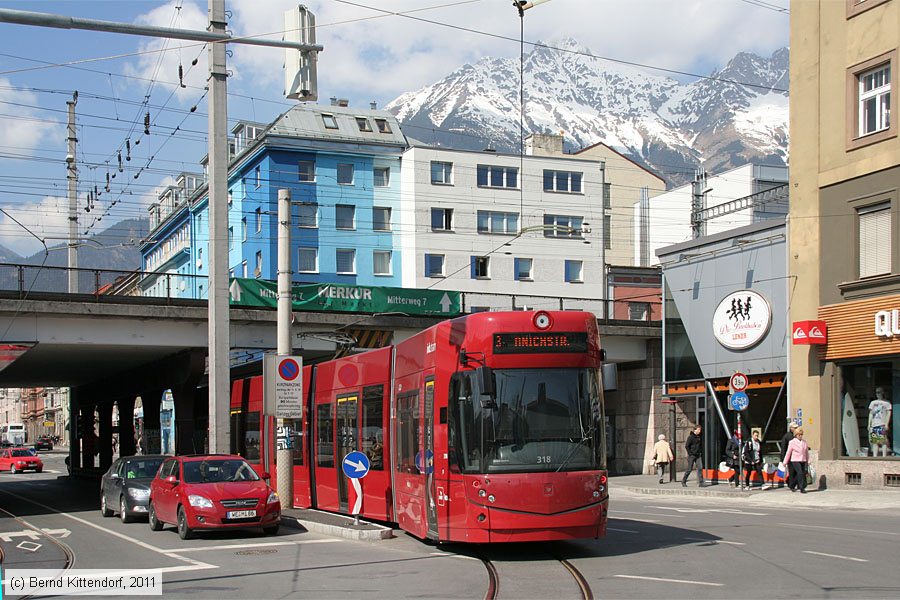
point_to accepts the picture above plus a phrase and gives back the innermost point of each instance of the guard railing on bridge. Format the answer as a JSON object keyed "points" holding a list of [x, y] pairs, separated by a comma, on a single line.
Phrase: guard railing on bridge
{"points": [[114, 286]]}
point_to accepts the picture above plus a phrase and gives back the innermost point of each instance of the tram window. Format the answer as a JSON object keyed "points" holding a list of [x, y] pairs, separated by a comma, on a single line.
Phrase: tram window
{"points": [[464, 452], [297, 444], [373, 426], [237, 433], [251, 437], [408, 415], [324, 436], [443, 415]]}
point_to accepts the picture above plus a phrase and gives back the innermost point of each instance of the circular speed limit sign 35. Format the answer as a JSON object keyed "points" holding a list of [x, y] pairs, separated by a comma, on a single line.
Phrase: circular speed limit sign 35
{"points": [[739, 382]]}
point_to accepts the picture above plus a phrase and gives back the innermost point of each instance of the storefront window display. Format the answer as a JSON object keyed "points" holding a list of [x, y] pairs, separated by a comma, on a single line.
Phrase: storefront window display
{"points": [[869, 404]]}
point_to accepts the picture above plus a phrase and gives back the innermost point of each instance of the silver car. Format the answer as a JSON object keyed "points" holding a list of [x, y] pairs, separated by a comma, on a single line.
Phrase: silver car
{"points": [[125, 487]]}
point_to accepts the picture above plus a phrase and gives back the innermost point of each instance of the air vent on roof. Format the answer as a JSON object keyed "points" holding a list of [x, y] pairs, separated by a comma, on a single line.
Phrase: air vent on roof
{"points": [[343, 102], [334, 100], [373, 105]]}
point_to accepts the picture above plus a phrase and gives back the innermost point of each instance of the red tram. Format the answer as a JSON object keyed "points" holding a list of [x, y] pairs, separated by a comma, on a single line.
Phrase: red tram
{"points": [[484, 428]]}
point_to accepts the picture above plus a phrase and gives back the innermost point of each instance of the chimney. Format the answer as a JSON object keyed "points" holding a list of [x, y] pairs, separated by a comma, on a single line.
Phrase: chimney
{"points": [[334, 101], [373, 105], [343, 102], [544, 144]]}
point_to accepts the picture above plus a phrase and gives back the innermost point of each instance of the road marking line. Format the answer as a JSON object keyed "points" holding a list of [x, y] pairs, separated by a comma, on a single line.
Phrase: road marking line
{"points": [[731, 543], [252, 545], [622, 530], [670, 580], [631, 512], [730, 511], [694, 539], [836, 556], [641, 520], [840, 529]]}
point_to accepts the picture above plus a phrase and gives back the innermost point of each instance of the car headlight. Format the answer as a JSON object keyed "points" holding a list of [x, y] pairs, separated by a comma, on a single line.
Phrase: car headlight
{"points": [[199, 501], [139, 494], [273, 497]]}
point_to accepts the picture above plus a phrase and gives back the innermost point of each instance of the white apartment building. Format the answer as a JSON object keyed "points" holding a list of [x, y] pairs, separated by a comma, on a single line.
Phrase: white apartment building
{"points": [[728, 200], [488, 223]]}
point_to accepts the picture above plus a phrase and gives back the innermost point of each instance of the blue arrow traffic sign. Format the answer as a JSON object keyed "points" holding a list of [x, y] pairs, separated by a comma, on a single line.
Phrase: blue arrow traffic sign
{"points": [[739, 401], [355, 465]]}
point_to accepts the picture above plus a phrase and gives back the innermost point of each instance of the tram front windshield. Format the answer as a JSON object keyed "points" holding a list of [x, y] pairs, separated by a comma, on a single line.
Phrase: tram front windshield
{"points": [[538, 420]]}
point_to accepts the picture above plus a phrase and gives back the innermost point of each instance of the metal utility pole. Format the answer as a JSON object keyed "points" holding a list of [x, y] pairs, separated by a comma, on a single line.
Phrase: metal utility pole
{"points": [[72, 178], [219, 310], [284, 479], [698, 203]]}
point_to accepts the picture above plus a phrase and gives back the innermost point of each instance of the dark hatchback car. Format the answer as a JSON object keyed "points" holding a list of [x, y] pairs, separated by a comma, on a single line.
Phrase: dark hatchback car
{"points": [[125, 487], [44, 443]]}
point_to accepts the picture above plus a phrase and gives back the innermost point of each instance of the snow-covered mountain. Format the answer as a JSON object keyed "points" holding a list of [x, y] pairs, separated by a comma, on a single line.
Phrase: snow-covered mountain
{"points": [[671, 127]]}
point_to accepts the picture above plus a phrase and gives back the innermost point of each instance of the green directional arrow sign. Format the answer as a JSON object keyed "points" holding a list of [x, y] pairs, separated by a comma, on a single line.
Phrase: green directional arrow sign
{"points": [[334, 297]]}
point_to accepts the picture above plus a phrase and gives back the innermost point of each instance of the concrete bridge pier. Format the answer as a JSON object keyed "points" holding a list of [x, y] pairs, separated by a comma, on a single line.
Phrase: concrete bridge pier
{"points": [[104, 414], [151, 442], [126, 426], [87, 434]]}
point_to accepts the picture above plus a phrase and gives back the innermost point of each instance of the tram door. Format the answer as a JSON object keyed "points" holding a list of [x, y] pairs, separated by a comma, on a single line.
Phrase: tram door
{"points": [[428, 461], [346, 426]]}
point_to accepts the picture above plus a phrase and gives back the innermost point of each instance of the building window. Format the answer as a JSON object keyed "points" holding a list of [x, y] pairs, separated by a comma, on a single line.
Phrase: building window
{"points": [[523, 269], [481, 267], [363, 124], [382, 176], [874, 240], [442, 219], [574, 271], [854, 7], [231, 238], [244, 269], [258, 174], [607, 195], [307, 170], [562, 181], [383, 126], [329, 121], [869, 87], [244, 229], [866, 409], [308, 260], [230, 199], [344, 216], [638, 311], [381, 262], [494, 176], [434, 265], [308, 215], [345, 261], [258, 220], [497, 222], [441, 173], [563, 226], [345, 174], [257, 272], [381, 218], [607, 232]]}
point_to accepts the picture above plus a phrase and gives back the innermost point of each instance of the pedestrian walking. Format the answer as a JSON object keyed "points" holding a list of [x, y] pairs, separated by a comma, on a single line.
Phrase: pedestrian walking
{"points": [[662, 456], [694, 448], [752, 460], [732, 459], [785, 440], [797, 457]]}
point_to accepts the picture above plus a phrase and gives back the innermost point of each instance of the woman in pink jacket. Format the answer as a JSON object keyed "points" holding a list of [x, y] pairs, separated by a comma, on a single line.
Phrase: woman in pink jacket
{"points": [[797, 457]]}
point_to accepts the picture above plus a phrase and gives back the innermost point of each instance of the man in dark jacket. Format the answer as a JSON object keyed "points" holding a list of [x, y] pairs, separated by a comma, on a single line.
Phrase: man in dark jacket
{"points": [[694, 447], [785, 440]]}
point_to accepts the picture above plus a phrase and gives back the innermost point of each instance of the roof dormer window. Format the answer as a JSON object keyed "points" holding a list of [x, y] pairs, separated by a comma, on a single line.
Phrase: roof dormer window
{"points": [[363, 124], [329, 121], [383, 126]]}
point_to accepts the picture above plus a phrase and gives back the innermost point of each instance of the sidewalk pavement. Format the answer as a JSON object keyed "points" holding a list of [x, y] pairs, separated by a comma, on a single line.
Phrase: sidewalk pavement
{"points": [[775, 496]]}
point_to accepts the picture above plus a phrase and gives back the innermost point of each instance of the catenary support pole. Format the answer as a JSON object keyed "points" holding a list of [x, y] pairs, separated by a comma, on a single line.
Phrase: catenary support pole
{"points": [[283, 454], [72, 178], [219, 335]]}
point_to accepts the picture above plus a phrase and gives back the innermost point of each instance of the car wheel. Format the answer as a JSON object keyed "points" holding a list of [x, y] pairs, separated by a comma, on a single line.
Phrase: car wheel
{"points": [[104, 509], [12, 469], [39, 469], [184, 532], [123, 511], [271, 530], [155, 523]]}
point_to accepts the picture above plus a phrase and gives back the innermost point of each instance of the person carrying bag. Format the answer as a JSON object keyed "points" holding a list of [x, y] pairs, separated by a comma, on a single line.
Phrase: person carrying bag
{"points": [[797, 458], [662, 456]]}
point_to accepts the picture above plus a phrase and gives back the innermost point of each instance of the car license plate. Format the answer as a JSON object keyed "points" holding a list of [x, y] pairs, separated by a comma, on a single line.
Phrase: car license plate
{"points": [[240, 514]]}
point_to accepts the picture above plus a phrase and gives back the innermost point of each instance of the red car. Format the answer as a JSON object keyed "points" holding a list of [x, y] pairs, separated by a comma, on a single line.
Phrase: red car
{"points": [[218, 491], [15, 460]]}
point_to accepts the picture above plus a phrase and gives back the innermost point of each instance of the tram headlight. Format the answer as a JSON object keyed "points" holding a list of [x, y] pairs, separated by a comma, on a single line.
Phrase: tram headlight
{"points": [[542, 320], [491, 498], [596, 494], [482, 493]]}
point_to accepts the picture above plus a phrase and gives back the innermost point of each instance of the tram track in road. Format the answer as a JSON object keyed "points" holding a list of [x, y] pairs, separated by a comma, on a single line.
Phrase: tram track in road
{"points": [[494, 579], [68, 553]]}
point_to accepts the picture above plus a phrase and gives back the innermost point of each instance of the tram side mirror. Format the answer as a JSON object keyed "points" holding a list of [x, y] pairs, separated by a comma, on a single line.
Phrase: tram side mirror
{"points": [[610, 374], [485, 377]]}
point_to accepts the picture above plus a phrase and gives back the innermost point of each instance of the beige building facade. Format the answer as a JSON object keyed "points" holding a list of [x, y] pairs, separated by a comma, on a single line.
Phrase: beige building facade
{"points": [[844, 237]]}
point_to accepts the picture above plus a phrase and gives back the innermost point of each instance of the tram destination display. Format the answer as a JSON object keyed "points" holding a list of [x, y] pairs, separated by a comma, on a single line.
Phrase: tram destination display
{"points": [[533, 342]]}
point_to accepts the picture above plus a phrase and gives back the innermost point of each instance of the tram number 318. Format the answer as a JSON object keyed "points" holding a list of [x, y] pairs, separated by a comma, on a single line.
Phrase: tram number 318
{"points": [[544, 459]]}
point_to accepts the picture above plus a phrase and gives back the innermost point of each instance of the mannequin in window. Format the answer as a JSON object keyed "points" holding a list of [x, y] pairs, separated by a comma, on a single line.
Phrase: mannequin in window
{"points": [[879, 422]]}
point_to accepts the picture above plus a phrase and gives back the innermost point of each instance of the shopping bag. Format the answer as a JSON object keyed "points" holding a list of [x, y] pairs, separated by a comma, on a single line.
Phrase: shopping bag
{"points": [[810, 475], [723, 467], [781, 471]]}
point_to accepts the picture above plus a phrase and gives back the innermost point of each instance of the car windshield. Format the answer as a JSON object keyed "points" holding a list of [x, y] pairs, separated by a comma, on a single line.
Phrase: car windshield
{"points": [[540, 420], [21, 453], [218, 469], [142, 469]]}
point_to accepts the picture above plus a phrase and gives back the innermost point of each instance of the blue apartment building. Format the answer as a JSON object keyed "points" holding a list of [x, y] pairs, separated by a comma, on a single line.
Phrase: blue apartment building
{"points": [[342, 166]]}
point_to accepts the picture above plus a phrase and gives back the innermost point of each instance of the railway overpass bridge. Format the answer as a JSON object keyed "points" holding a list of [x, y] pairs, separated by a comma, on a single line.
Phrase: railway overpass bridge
{"points": [[113, 349]]}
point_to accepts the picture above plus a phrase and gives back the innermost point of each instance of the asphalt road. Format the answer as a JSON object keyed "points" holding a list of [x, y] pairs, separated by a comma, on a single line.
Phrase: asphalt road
{"points": [[657, 546]]}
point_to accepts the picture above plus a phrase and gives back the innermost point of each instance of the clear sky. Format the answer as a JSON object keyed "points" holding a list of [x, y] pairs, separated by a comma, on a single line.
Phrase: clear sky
{"points": [[374, 51]]}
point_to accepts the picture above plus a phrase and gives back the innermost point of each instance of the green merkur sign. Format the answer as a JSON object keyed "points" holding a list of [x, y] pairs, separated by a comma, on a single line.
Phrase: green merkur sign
{"points": [[334, 297]]}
